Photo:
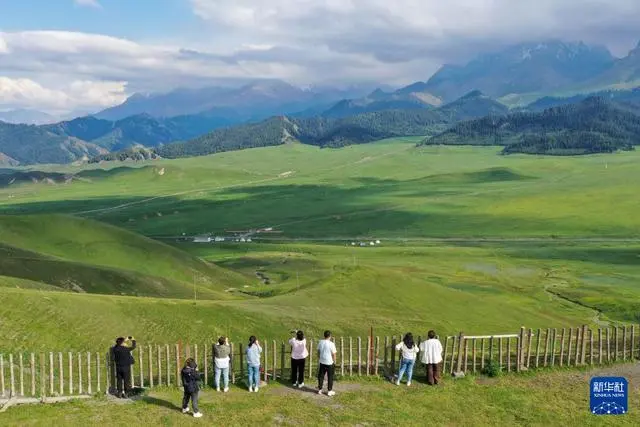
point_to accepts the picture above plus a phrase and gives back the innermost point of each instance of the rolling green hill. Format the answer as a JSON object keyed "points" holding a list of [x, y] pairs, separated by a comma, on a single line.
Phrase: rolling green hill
{"points": [[86, 256]]}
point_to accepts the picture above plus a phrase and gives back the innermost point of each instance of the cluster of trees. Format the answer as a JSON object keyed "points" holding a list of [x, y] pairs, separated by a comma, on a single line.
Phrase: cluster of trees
{"points": [[590, 126], [129, 154]]}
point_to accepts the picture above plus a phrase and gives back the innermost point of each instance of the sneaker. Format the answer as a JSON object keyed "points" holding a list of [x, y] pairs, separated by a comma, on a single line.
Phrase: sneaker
{"points": [[255, 390], [226, 389], [300, 385], [319, 391], [218, 389], [409, 384], [250, 389], [295, 384], [331, 393], [197, 415], [398, 382], [185, 410]]}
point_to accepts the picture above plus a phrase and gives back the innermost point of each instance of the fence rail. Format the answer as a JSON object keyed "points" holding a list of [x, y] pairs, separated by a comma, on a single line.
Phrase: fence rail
{"points": [[54, 375]]}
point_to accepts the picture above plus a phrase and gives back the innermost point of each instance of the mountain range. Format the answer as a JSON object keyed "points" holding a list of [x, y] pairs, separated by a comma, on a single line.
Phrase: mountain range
{"points": [[489, 85]]}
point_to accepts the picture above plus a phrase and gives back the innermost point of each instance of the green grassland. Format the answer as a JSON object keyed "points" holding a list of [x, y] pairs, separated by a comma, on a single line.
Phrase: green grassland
{"points": [[529, 249], [550, 398], [471, 241]]}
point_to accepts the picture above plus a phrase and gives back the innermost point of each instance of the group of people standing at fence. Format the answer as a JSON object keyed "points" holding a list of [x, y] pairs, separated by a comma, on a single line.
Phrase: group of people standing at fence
{"points": [[430, 351]]}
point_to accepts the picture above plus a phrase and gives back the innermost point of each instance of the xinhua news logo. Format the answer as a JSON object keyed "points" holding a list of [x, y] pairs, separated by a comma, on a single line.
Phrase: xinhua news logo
{"points": [[609, 396]]}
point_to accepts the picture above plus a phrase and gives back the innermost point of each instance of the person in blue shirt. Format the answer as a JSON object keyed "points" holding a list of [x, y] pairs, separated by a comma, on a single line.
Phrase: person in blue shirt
{"points": [[253, 364]]}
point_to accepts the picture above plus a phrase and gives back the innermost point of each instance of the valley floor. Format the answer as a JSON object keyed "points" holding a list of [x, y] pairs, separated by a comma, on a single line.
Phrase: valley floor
{"points": [[559, 398]]}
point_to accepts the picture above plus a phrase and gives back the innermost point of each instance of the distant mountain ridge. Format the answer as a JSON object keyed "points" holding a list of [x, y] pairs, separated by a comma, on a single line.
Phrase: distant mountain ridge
{"points": [[253, 101]]}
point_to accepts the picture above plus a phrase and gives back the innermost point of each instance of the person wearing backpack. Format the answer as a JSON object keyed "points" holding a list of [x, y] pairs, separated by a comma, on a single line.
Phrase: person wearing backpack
{"points": [[409, 350], [190, 378], [221, 352]]}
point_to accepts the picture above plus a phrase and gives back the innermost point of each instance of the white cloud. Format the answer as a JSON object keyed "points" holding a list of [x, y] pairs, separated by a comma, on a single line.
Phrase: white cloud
{"points": [[75, 95], [90, 3], [310, 41]]}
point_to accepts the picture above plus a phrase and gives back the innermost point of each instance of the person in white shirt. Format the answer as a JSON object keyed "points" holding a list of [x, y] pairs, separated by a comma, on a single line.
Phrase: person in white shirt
{"points": [[299, 354], [327, 358], [432, 357], [409, 351]]}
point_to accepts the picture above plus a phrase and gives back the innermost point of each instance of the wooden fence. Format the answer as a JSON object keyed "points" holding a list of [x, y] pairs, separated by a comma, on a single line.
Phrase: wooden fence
{"points": [[52, 376]]}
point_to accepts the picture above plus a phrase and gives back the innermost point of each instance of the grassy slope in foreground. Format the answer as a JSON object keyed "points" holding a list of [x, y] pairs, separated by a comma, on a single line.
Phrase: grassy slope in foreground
{"points": [[100, 258], [547, 399]]}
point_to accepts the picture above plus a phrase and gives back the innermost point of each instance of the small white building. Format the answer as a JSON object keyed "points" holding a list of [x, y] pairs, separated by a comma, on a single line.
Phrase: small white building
{"points": [[201, 239]]}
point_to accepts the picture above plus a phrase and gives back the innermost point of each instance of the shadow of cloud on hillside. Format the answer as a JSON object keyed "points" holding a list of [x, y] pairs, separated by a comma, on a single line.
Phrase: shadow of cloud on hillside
{"points": [[376, 207]]}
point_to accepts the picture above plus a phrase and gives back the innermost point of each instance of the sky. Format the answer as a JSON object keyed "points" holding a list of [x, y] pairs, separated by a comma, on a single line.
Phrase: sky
{"points": [[60, 56]]}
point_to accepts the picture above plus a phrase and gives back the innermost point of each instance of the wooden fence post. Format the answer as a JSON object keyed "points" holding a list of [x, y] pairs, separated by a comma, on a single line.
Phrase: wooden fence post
{"points": [[570, 347], [275, 360], [590, 347], [509, 355], [12, 378], [521, 351], [546, 347], [583, 352], [444, 357], [32, 361], [266, 361], [80, 387], [159, 364], [562, 347], [599, 346], [578, 346], [482, 354], [466, 342], [624, 343], [282, 350], [368, 355], [529, 345], [461, 340], [632, 342], [21, 367], [350, 356], [241, 357], [393, 356], [232, 364], [453, 353], [89, 388], [608, 345], [473, 354], [377, 372], [61, 377], [70, 357], [359, 356], [43, 387], [168, 355], [538, 348], [150, 357], [554, 335], [177, 365], [310, 359], [98, 373], [141, 368], [51, 383], [2, 384], [342, 356], [615, 338]]}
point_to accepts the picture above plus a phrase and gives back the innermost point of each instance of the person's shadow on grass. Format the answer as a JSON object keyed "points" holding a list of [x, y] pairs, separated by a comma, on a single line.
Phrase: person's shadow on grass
{"points": [[159, 402]]}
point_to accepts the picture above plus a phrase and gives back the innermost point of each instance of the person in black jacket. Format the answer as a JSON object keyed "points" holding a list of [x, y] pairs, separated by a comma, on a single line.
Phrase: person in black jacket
{"points": [[123, 360], [190, 378]]}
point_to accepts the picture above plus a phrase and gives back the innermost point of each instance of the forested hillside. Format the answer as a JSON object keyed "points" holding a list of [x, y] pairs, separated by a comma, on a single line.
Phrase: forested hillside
{"points": [[591, 126]]}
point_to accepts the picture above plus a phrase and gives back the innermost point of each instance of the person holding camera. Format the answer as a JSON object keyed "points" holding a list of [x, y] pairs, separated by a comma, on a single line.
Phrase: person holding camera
{"points": [[221, 352], [299, 354], [190, 378], [123, 359]]}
